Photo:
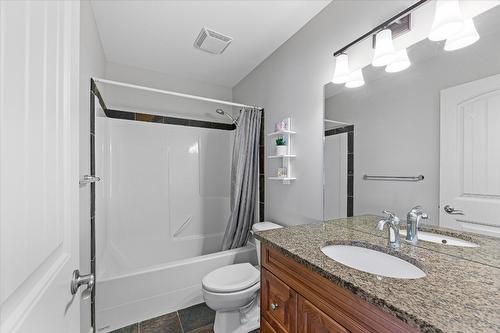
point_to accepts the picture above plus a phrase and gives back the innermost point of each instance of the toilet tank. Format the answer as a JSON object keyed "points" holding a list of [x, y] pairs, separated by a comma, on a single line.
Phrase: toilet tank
{"points": [[262, 226]]}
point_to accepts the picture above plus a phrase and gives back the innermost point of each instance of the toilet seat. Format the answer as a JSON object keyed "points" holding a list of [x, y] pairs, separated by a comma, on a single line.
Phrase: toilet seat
{"points": [[231, 278]]}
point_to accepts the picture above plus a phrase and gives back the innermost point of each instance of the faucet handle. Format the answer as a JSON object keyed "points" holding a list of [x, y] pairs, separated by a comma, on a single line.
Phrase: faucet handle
{"points": [[418, 210], [391, 215]]}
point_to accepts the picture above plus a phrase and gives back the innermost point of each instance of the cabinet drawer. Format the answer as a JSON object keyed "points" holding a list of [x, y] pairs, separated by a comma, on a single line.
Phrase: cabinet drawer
{"points": [[310, 319], [278, 303]]}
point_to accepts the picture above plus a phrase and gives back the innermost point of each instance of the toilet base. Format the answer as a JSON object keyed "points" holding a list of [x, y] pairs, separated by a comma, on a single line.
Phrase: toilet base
{"points": [[239, 321]]}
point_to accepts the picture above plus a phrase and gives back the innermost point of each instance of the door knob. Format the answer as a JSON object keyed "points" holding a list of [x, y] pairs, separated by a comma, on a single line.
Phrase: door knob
{"points": [[452, 211], [78, 280], [274, 306]]}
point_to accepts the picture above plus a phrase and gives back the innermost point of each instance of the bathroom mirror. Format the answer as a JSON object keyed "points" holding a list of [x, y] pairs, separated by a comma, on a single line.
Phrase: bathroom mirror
{"points": [[428, 135]]}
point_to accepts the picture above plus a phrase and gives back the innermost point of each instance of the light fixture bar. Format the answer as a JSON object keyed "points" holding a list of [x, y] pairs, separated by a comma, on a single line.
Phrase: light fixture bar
{"points": [[381, 27]]}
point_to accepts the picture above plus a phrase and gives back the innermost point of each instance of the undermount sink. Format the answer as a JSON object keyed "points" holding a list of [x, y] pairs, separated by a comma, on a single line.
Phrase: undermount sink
{"points": [[372, 261], [441, 239]]}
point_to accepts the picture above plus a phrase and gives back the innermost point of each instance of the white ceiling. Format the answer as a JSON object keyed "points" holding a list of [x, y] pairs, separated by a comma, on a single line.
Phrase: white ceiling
{"points": [[159, 35]]}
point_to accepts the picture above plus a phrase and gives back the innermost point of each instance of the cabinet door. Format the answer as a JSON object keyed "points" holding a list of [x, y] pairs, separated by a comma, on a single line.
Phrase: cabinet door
{"points": [[310, 319], [265, 327], [278, 303]]}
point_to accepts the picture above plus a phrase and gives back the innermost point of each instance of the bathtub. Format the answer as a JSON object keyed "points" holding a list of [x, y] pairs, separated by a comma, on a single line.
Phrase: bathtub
{"points": [[126, 299]]}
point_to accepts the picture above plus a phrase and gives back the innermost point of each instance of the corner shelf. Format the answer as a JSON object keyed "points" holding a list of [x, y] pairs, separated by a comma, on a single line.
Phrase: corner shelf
{"points": [[281, 132], [286, 159], [282, 156], [286, 180]]}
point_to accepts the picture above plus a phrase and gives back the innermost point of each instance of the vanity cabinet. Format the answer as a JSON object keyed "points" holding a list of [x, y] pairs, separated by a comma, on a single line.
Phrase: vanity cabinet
{"points": [[294, 299]]}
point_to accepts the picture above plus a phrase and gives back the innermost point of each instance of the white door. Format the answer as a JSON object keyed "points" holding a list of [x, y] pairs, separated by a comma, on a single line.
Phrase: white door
{"points": [[39, 47], [470, 157]]}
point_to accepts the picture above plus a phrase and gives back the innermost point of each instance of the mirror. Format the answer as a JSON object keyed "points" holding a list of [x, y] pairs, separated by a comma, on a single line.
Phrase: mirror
{"points": [[439, 119]]}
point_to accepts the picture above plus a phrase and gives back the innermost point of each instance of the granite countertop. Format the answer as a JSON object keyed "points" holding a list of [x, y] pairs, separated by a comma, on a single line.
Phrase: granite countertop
{"points": [[487, 253], [457, 295]]}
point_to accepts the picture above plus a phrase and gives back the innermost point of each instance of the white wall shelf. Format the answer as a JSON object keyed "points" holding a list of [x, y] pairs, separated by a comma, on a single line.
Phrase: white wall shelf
{"points": [[282, 156], [286, 159], [284, 132], [285, 180]]}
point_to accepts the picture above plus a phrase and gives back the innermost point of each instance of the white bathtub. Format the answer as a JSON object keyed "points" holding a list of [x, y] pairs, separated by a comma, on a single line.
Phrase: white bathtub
{"points": [[140, 295]]}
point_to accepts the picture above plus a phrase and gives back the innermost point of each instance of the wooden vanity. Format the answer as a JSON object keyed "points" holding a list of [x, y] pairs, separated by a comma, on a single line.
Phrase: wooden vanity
{"points": [[295, 299]]}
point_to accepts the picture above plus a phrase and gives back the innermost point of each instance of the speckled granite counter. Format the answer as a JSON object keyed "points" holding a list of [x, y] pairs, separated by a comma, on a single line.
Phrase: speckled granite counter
{"points": [[487, 253], [457, 295]]}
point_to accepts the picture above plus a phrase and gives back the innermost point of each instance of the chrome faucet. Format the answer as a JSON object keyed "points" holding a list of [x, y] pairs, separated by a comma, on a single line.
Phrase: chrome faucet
{"points": [[413, 218], [392, 222]]}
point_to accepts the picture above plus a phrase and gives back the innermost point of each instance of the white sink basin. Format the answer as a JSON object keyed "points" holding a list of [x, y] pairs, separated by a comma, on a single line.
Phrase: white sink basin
{"points": [[441, 239], [372, 261]]}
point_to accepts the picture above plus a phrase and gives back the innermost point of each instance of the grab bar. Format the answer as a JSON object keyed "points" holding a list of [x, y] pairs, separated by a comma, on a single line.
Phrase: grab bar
{"points": [[395, 178], [183, 226]]}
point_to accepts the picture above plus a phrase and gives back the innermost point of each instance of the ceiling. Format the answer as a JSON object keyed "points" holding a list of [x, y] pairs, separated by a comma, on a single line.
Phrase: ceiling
{"points": [[159, 35]]}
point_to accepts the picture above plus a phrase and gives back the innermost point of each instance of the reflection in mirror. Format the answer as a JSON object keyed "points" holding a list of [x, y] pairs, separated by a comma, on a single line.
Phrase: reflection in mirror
{"points": [[338, 169], [439, 118]]}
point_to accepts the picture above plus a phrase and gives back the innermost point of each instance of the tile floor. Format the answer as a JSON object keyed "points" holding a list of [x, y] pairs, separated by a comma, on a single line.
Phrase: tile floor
{"points": [[195, 319]]}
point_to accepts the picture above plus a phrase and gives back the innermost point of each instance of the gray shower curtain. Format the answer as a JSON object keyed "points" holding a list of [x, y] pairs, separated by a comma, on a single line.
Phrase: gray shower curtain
{"points": [[244, 179]]}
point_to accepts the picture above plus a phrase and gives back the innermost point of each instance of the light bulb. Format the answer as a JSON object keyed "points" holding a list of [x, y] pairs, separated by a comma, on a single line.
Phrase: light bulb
{"points": [[341, 73], [400, 62], [447, 21], [465, 37], [355, 79], [384, 49]]}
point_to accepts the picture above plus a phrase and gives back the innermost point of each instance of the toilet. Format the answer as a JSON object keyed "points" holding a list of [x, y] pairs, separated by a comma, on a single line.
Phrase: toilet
{"points": [[233, 292]]}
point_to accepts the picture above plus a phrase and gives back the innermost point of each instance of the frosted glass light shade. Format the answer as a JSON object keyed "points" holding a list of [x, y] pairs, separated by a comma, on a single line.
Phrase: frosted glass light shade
{"points": [[356, 79], [467, 36], [341, 73], [447, 21], [400, 62], [384, 48]]}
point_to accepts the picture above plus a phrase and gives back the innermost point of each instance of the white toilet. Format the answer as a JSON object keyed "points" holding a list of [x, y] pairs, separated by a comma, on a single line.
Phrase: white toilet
{"points": [[233, 292]]}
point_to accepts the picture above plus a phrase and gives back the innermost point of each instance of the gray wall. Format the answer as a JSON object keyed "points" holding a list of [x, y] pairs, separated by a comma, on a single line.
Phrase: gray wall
{"points": [[91, 64], [290, 83], [396, 120]]}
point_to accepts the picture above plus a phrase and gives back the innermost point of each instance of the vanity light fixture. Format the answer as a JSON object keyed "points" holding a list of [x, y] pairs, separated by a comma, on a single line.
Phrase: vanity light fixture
{"points": [[466, 36], [384, 48], [384, 54], [356, 79], [448, 20], [400, 62], [341, 73]]}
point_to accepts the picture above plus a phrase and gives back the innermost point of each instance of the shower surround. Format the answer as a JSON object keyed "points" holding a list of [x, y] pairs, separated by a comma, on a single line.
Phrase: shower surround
{"points": [[161, 210], [161, 207]]}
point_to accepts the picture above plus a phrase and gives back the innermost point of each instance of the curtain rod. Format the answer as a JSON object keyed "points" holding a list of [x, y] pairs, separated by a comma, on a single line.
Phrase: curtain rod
{"points": [[381, 26], [173, 93]]}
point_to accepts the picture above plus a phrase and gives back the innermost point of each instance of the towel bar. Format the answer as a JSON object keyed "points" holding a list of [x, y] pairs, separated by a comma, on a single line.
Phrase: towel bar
{"points": [[395, 178]]}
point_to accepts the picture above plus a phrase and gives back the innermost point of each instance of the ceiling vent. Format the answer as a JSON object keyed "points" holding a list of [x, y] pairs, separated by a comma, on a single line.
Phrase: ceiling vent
{"points": [[211, 41]]}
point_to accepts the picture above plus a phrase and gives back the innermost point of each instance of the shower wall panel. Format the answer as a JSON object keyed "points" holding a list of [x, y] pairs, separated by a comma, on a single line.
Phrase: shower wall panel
{"points": [[164, 193]]}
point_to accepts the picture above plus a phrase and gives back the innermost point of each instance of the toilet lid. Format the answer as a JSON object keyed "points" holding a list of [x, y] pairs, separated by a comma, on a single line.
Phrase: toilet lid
{"points": [[231, 278]]}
